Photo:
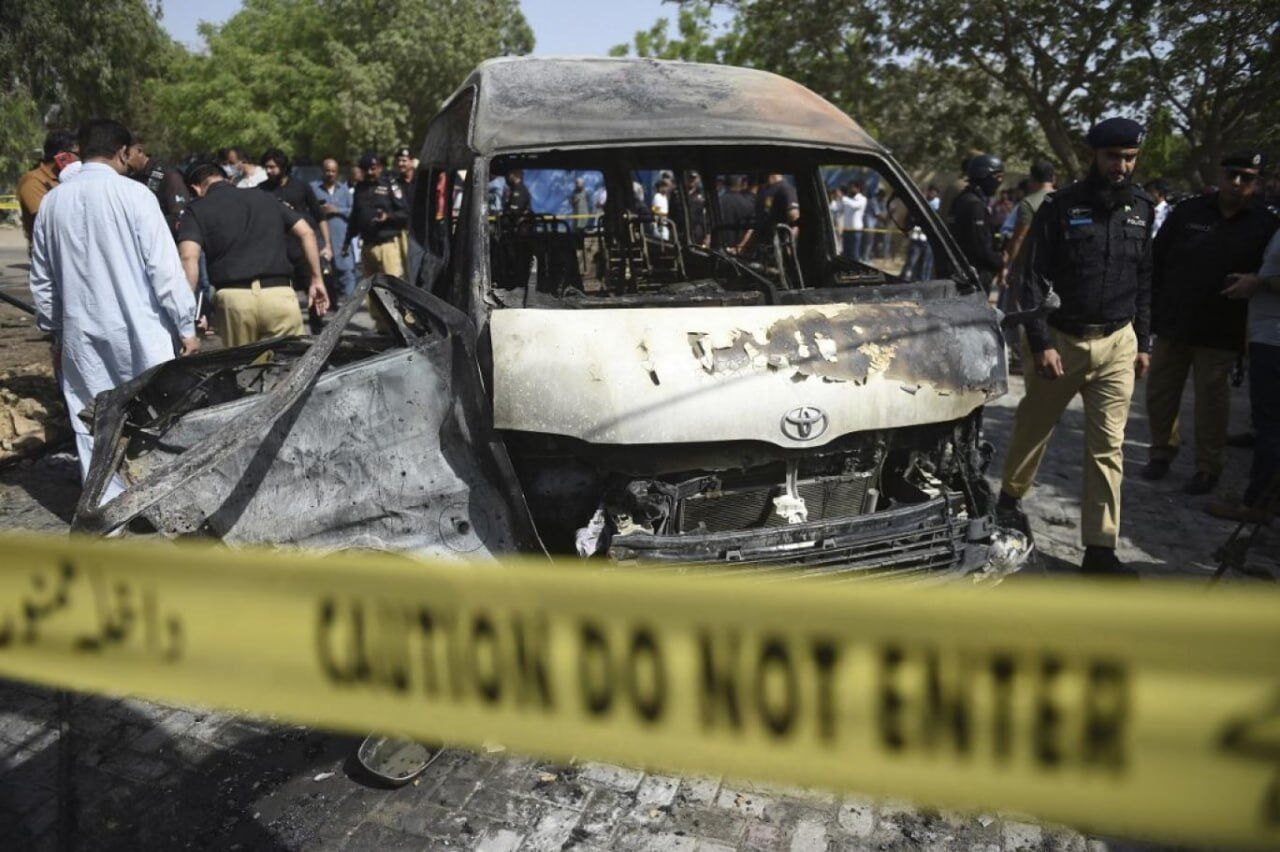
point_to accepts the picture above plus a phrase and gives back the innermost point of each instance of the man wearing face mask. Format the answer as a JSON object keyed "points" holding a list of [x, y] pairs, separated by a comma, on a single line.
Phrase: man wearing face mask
{"points": [[106, 280], [1091, 243], [970, 221]]}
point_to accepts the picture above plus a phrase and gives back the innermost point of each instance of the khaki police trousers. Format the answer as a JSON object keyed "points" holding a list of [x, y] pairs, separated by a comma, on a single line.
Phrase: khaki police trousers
{"points": [[245, 315], [1102, 372], [384, 258], [1170, 363]]}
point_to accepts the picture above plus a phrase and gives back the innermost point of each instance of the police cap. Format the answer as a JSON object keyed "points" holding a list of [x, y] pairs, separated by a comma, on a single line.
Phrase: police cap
{"points": [[1115, 133], [983, 166], [369, 160], [403, 151], [1248, 160]]}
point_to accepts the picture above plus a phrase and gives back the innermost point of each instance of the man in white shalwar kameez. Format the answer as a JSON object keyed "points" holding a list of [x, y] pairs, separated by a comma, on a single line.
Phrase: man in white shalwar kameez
{"points": [[106, 280]]}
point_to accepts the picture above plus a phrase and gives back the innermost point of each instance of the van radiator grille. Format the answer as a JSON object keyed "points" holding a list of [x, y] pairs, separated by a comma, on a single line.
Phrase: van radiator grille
{"points": [[741, 508]]}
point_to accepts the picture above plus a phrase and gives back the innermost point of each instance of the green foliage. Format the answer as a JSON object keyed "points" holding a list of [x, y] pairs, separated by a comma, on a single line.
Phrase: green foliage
{"points": [[63, 61], [694, 41], [1211, 70], [1165, 151], [322, 77], [935, 79]]}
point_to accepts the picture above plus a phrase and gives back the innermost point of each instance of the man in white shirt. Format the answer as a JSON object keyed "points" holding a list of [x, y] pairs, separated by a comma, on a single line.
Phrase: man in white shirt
{"points": [[661, 208], [1159, 190], [106, 279], [855, 211]]}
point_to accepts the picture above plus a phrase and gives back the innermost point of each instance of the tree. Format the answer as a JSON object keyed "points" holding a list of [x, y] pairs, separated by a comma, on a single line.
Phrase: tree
{"points": [[414, 53], [1212, 71], [694, 41], [331, 77], [929, 114], [62, 61], [1060, 59], [267, 79]]}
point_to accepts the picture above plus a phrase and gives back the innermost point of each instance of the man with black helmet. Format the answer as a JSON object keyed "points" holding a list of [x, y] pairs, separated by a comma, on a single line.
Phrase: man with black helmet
{"points": [[378, 215], [1198, 328], [1091, 243], [970, 220]]}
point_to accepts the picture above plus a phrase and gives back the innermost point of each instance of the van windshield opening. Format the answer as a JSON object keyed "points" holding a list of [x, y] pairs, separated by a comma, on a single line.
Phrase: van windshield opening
{"points": [[700, 226]]}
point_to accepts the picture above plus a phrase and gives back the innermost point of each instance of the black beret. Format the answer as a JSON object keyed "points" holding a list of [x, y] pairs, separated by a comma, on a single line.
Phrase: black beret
{"points": [[1246, 159], [368, 161], [1115, 133]]}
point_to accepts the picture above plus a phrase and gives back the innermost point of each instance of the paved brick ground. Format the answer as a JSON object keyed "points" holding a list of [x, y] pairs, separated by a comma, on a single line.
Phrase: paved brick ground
{"points": [[148, 776]]}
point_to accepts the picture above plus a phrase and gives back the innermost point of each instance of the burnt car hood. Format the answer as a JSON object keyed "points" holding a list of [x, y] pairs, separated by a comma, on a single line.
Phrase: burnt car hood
{"points": [[793, 376]]}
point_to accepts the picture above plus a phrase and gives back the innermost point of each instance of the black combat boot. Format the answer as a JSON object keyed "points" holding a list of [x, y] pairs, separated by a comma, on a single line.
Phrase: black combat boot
{"points": [[1009, 514], [1102, 561]]}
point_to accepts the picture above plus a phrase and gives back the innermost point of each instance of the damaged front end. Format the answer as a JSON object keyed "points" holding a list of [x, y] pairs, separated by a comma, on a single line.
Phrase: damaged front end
{"points": [[907, 502]]}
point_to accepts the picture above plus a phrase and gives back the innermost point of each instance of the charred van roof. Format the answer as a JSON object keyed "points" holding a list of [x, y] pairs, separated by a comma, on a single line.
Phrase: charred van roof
{"points": [[533, 103]]}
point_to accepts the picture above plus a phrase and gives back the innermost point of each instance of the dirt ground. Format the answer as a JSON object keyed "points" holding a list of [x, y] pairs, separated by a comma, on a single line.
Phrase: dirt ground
{"points": [[31, 410]]}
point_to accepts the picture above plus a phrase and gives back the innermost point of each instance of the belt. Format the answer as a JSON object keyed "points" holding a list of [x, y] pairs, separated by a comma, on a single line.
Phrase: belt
{"points": [[1089, 331], [247, 283]]}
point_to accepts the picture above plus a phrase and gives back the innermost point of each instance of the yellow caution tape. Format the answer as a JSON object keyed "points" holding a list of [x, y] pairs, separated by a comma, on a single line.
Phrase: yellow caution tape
{"points": [[8, 202], [1147, 711]]}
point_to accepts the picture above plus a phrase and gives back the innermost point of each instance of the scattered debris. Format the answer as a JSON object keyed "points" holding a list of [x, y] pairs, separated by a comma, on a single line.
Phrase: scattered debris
{"points": [[323, 776]]}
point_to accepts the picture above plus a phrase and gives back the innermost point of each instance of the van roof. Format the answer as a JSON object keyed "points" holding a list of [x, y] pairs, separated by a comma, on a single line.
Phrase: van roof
{"points": [[527, 103]]}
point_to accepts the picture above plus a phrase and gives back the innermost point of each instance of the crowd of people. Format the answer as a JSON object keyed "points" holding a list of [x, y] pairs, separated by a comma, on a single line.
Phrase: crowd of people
{"points": [[129, 273], [125, 274], [1146, 288]]}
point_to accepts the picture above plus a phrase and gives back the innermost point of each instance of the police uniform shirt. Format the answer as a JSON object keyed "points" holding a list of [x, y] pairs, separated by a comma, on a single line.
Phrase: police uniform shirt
{"points": [[970, 224], [516, 200], [774, 204], [169, 188], [1094, 246], [242, 234], [736, 211], [1193, 254], [371, 197]]}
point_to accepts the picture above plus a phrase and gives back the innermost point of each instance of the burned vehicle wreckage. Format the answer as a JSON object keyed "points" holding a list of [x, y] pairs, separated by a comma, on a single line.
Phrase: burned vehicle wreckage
{"points": [[655, 381]]}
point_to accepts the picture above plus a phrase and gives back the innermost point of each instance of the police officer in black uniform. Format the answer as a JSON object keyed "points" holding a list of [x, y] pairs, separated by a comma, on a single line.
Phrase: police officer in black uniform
{"points": [[1091, 243], [378, 215], [1204, 240], [516, 201], [166, 182], [970, 219]]}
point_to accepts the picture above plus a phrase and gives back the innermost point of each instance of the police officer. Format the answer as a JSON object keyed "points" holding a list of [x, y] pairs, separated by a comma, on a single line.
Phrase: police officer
{"points": [[1091, 243], [516, 201], [1198, 328], [165, 182], [378, 215], [970, 221], [243, 237]]}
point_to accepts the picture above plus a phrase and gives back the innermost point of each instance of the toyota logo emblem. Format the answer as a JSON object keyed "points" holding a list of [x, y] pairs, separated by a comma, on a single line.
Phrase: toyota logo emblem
{"points": [[804, 423]]}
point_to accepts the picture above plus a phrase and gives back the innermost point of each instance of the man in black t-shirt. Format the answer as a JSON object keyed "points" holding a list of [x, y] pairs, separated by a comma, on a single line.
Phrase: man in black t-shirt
{"points": [[242, 235], [737, 211], [298, 197], [516, 200], [776, 204]]}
